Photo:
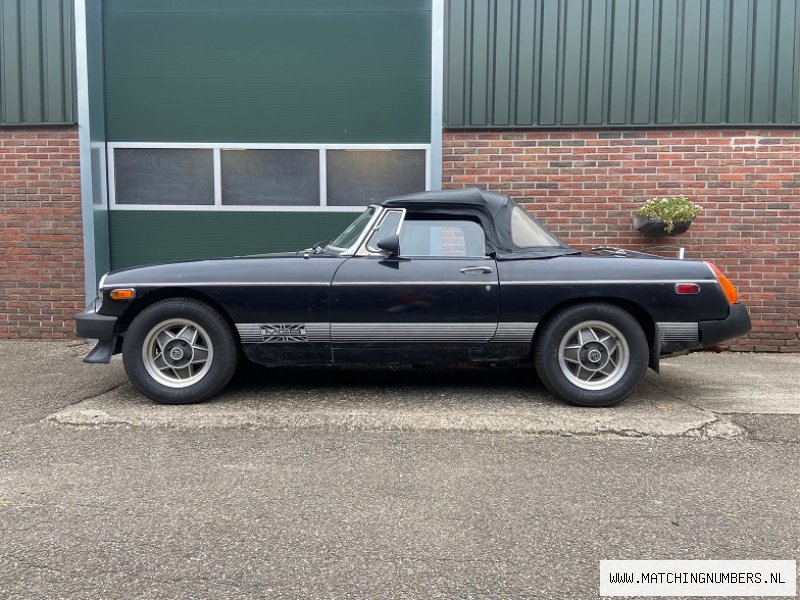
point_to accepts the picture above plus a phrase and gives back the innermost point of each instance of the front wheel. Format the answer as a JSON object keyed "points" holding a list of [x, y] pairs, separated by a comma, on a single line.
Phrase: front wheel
{"points": [[179, 351], [591, 354]]}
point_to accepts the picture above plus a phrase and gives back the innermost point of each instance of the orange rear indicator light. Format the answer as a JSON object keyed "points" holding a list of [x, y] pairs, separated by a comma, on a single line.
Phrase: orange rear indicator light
{"points": [[123, 294], [724, 282]]}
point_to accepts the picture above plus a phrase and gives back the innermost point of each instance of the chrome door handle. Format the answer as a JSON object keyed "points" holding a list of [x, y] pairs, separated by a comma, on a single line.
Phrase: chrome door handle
{"points": [[476, 270]]}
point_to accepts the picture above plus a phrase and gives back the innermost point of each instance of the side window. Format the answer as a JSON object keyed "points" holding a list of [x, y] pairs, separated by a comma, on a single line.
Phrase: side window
{"points": [[442, 237]]}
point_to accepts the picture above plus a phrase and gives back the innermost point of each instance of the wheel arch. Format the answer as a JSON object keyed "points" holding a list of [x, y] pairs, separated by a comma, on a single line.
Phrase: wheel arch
{"points": [[644, 319], [171, 293]]}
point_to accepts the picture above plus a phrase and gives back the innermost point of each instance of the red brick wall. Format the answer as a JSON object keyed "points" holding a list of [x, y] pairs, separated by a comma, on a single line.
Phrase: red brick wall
{"points": [[586, 184], [41, 241]]}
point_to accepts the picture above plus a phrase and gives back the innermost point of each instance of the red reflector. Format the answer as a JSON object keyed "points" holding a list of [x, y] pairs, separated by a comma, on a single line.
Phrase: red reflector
{"points": [[687, 288]]}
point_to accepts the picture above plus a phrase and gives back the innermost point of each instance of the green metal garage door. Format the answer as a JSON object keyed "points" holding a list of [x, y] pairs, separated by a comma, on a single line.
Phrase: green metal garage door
{"points": [[241, 126]]}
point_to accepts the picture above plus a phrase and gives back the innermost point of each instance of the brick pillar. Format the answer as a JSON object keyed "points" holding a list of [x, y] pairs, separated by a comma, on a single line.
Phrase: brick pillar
{"points": [[41, 240]]}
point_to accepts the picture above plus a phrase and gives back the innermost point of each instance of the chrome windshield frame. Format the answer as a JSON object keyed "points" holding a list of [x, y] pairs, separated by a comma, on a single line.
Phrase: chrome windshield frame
{"points": [[351, 251]]}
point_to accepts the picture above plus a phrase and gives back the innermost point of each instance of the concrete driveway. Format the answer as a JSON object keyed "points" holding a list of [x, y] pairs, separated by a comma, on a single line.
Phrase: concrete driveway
{"points": [[466, 484], [696, 395]]}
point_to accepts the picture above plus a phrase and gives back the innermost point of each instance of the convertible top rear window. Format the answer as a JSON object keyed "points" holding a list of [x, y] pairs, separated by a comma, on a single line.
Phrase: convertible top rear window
{"points": [[527, 233]]}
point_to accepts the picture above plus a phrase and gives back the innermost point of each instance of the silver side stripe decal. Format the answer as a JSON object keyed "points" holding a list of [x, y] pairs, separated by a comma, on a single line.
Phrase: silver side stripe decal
{"points": [[413, 332], [425, 333], [519, 332], [679, 332]]}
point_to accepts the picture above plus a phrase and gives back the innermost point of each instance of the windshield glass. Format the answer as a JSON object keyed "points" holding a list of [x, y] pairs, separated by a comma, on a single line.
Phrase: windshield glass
{"points": [[527, 233], [350, 235]]}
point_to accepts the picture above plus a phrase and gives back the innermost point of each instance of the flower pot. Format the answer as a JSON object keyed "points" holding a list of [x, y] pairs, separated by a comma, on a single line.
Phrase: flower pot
{"points": [[656, 228]]}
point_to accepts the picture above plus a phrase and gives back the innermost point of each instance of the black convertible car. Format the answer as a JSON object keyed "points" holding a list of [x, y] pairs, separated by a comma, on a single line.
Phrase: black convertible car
{"points": [[448, 278]]}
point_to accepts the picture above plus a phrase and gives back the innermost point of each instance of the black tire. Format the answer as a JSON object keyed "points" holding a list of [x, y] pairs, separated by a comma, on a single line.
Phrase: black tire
{"points": [[552, 361], [202, 379]]}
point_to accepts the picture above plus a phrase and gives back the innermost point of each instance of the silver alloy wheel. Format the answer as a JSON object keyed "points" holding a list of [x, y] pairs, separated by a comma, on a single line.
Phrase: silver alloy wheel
{"points": [[177, 353], [593, 355]]}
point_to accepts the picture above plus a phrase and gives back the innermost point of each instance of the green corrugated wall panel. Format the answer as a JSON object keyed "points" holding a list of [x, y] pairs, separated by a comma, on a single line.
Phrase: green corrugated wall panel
{"points": [[666, 66], [37, 80], [595, 63], [716, 61], [268, 71], [144, 237], [619, 41], [572, 70], [525, 101], [788, 46]]}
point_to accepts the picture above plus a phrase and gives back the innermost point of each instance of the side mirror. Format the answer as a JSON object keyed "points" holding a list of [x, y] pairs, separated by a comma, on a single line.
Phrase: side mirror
{"points": [[390, 244]]}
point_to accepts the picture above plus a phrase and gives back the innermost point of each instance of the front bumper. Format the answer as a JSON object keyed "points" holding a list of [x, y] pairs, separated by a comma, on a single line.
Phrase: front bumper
{"points": [[102, 328], [735, 325]]}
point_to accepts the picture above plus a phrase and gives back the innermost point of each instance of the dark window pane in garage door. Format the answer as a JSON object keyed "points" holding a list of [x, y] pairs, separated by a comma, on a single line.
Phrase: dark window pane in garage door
{"points": [[358, 177], [270, 177], [164, 176]]}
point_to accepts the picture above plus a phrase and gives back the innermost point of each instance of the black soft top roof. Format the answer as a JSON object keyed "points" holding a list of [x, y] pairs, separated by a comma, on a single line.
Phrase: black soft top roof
{"points": [[489, 201], [493, 209]]}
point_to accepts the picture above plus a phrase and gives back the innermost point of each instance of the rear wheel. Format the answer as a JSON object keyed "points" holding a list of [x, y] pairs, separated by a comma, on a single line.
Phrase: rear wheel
{"points": [[179, 351], [591, 354]]}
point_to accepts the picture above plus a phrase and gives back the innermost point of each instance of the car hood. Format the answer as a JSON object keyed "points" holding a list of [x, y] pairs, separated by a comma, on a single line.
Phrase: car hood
{"points": [[286, 266]]}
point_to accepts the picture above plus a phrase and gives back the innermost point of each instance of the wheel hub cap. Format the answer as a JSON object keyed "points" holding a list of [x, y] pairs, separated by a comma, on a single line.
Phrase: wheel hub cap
{"points": [[594, 355], [178, 353]]}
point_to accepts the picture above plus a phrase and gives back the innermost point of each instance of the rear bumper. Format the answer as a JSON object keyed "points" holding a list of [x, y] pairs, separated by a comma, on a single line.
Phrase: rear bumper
{"points": [[735, 325], [102, 328]]}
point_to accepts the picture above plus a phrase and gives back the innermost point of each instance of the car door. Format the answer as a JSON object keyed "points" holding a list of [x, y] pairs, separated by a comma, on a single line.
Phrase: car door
{"points": [[434, 302]]}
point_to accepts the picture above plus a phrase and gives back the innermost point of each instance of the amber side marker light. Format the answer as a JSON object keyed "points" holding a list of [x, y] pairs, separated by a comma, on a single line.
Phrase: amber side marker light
{"points": [[123, 294], [727, 286]]}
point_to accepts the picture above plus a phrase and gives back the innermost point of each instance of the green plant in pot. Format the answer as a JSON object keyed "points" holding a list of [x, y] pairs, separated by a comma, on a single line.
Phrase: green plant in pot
{"points": [[666, 216]]}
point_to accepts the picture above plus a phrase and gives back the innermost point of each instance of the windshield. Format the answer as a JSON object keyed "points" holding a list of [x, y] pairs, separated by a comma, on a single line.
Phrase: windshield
{"points": [[527, 233], [350, 235]]}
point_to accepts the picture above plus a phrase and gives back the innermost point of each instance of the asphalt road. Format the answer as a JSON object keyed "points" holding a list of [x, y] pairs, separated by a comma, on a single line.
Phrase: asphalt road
{"points": [[345, 502]]}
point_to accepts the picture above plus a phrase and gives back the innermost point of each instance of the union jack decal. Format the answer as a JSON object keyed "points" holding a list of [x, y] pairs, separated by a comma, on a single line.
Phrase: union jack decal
{"points": [[278, 333]]}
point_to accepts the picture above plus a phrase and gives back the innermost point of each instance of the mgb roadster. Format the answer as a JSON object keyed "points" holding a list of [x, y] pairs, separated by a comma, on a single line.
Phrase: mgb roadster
{"points": [[436, 278]]}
